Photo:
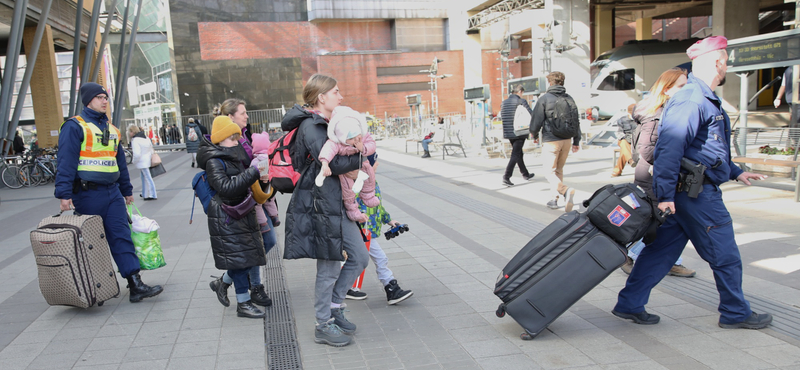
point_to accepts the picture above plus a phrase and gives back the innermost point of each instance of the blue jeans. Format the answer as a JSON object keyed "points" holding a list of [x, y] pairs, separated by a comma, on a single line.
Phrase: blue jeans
{"points": [[239, 280], [270, 239], [425, 144], [148, 185]]}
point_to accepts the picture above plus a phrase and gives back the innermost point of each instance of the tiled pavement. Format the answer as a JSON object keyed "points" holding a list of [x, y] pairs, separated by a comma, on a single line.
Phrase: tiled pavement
{"points": [[464, 227]]}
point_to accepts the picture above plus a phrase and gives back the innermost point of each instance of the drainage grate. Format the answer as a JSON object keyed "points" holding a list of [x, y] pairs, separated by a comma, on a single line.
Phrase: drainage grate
{"points": [[280, 332]]}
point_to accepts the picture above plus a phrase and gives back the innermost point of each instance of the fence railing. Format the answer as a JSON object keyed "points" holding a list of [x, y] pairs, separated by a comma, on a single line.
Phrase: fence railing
{"points": [[750, 141]]}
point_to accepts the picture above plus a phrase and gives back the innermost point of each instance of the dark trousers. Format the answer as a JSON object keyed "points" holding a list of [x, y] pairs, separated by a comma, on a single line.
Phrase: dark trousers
{"points": [[706, 222], [516, 157], [107, 202]]}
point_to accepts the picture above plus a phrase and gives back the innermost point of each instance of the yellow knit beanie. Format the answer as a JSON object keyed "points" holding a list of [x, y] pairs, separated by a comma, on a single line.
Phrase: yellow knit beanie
{"points": [[223, 128]]}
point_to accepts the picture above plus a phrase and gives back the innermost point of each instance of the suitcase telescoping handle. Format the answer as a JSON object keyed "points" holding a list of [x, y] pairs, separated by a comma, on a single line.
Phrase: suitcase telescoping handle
{"points": [[74, 212]]}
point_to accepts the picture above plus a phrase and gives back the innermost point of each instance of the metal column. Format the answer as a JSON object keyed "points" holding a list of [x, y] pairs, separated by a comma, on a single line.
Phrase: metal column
{"points": [[103, 41], [88, 55], [31, 56], [12, 59], [76, 51], [743, 110], [122, 90]]}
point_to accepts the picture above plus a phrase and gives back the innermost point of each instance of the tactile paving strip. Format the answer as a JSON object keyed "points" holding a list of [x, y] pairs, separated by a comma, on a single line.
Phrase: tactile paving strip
{"points": [[280, 332]]}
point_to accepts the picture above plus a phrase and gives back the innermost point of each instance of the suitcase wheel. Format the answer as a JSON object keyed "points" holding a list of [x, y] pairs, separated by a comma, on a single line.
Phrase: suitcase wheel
{"points": [[527, 336], [100, 303], [501, 311]]}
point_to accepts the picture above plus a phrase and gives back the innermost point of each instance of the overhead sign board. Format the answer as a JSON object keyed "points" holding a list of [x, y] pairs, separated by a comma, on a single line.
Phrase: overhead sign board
{"points": [[477, 93], [772, 50], [415, 99], [532, 85]]}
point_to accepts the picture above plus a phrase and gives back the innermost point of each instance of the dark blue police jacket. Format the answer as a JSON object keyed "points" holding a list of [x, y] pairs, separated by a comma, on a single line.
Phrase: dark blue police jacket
{"points": [[69, 149], [694, 126]]}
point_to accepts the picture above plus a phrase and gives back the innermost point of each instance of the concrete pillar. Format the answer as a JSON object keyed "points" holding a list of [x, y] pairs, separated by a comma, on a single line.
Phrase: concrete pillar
{"points": [[44, 88], [603, 29], [473, 65], [734, 19], [574, 42], [644, 28]]}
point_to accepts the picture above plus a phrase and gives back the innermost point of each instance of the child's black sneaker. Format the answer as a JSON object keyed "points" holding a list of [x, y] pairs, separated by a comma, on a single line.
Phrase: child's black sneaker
{"points": [[355, 295], [394, 294]]}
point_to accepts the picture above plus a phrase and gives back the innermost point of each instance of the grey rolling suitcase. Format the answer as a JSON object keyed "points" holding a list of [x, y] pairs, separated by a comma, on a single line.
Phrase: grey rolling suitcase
{"points": [[554, 270], [74, 261]]}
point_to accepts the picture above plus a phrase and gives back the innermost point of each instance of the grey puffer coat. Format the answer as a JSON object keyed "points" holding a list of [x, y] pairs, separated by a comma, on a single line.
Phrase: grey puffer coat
{"points": [[647, 135], [236, 244], [315, 215], [192, 146]]}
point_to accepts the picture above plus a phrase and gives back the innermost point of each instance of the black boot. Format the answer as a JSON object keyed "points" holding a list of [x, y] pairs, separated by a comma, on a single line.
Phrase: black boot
{"points": [[140, 290], [249, 310], [221, 288], [259, 296], [427, 154]]}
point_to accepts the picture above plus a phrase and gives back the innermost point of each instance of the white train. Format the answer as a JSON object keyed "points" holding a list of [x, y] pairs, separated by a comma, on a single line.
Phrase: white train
{"points": [[621, 75]]}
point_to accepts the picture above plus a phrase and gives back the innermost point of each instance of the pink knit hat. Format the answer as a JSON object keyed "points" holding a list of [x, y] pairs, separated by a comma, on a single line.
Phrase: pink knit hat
{"points": [[345, 124], [260, 143]]}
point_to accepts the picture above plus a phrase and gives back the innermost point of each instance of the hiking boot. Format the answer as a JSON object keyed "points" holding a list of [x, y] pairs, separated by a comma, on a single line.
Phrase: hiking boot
{"points": [[642, 318], [355, 295], [395, 294], [681, 271], [192, 164], [249, 310], [221, 288], [755, 321], [528, 177], [338, 318], [259, 296], [140, 290], [427, 154], [507, 182], [570, 196], [627, 266], [329, 333]]}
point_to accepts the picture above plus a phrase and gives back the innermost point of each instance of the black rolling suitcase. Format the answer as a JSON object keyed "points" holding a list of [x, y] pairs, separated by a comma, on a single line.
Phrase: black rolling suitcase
{"points": [[554, 270]]}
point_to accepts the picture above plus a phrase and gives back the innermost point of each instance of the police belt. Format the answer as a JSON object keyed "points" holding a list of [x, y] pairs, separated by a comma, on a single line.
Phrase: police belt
{"points": [[84, 185]]}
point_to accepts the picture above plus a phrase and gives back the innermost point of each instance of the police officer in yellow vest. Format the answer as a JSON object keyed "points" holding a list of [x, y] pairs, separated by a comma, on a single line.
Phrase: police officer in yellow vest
{"points": [[93, 178]]}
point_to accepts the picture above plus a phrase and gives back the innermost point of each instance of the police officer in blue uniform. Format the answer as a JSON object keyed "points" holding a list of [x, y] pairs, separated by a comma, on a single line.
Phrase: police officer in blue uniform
{"points": [[695, 127], [93, 178]]}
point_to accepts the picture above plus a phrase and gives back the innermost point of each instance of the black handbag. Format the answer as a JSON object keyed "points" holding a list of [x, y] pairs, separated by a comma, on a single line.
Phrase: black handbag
{"points": [[157, 170], [624, 212]]}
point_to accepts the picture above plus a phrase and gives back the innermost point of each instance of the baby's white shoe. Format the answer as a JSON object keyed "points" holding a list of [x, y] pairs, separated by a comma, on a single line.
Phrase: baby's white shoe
{"points": [[359, 183], [320, 179]]}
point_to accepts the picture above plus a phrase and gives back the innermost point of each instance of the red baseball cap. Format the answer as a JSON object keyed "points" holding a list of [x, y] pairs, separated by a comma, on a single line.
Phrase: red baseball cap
{"points": [[706, 45]]}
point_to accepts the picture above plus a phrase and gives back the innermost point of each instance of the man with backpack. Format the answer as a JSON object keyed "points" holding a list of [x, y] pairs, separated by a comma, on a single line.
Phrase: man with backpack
{"points": [[510, 111], [556, 115]]}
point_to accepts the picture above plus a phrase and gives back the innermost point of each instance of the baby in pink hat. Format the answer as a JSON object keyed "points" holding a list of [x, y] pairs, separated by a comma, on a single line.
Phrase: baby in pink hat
{"points": [[347, 135]]}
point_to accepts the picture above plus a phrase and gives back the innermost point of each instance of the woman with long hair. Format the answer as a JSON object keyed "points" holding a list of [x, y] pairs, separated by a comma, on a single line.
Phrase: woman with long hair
{"points": [[142, 155], [316, 221], [647, 115]]}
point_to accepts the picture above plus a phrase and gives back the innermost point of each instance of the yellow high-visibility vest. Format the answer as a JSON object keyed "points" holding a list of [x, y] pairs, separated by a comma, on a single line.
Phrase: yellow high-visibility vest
{"points": [[94, 156]]}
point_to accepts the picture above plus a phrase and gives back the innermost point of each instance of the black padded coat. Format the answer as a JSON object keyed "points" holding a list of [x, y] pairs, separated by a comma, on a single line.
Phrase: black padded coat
{"points": [[315, 215], [236, 244]]}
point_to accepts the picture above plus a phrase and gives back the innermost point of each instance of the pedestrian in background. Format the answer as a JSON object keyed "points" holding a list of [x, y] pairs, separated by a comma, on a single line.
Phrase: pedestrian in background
{"points": [[695, 127], [193, 136], [555, 108], [142, 156], [625, 127], [507, 112]]}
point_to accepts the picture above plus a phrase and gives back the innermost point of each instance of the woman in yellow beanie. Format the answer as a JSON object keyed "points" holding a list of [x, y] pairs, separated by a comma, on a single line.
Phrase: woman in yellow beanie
{"points": [[236, 243]]}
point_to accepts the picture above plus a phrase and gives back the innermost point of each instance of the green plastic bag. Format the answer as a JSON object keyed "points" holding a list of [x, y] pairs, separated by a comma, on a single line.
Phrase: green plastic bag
{"points": [[147, 245]]}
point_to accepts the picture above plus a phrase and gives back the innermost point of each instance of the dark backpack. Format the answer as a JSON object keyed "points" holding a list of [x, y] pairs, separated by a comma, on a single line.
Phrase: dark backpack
{"points": [[624, 212], [283, 174], [565, 122], [203, 190]]}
